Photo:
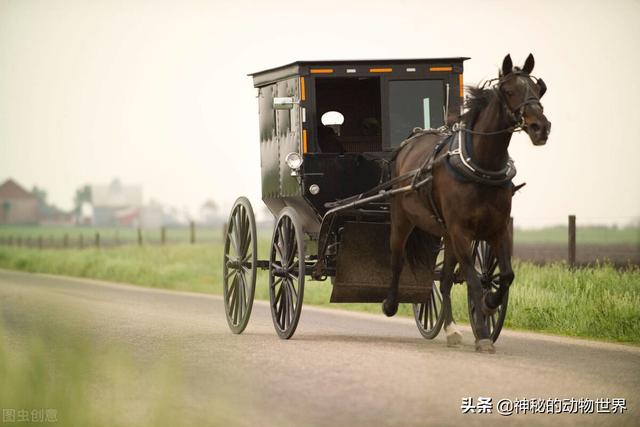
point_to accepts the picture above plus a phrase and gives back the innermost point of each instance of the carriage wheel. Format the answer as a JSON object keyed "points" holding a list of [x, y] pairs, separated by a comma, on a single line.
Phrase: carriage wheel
{"points": [[486, 264], [429, 316], [240, 265], [286, 273]]}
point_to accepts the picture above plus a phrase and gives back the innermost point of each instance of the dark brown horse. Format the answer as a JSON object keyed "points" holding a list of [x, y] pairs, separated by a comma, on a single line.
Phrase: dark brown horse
{"points": [[474, 205]]}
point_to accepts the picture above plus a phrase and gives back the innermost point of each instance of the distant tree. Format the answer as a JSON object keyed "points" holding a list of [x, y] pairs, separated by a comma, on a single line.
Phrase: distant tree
{"points": [[41, 195], [83, 195]]}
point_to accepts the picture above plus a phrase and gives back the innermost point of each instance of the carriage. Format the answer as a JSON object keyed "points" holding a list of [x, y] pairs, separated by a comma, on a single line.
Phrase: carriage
{"points": [[328, 131]]}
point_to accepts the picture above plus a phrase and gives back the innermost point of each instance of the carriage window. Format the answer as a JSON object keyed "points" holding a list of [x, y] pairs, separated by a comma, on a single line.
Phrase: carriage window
{"points": [[349, 111], [414, 103]]}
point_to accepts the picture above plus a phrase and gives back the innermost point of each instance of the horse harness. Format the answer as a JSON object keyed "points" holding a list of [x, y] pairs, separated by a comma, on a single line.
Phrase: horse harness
{"points": [[458, 157]]}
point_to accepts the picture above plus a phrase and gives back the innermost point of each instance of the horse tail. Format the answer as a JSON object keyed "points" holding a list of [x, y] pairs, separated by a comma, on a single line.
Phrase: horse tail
{"points": [[421, 248]]}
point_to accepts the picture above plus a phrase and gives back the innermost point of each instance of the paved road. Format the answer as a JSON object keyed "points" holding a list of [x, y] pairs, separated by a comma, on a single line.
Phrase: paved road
{"points": [[340, 369]]}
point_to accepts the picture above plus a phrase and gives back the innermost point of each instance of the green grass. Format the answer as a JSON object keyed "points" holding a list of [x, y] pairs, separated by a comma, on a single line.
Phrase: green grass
{"points": [[595, 302], [557, 235], [56, 378], [107, 234]]}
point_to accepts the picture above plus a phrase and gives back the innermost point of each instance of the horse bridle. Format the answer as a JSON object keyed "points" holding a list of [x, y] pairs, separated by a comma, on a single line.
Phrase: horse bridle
{"points": [[516, 114]]}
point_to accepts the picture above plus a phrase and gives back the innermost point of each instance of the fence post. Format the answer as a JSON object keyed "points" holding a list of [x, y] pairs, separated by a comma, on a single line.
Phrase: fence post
{"points": [[511, 235], [81, 241], [139, 236], [572, 240], [65, 241], [117, 238], [19, 241], [163, 235], [97, 239], [192, 225], [224, 232]]}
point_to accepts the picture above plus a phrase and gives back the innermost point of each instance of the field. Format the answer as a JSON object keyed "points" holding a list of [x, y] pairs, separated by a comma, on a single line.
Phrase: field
{"points": [[587, 235], [599, 302], [619, 246]]}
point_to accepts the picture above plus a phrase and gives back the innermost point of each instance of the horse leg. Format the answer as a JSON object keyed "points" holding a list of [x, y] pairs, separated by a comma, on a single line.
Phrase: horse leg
{"points": [[462, 248], [454, 336], [503, 251], [400, 230]]}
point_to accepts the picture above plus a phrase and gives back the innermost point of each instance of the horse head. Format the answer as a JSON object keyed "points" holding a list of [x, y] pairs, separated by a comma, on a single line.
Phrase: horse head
{"points": [[521, 93]]}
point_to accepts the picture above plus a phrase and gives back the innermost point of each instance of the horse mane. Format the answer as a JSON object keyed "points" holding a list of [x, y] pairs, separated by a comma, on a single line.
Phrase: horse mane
{"points": [[477, 100]]}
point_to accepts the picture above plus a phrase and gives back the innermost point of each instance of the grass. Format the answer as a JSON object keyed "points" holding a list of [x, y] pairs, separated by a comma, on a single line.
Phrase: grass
{"points": [[56, 235], [557, 235], [50, 376], [598, 302]]}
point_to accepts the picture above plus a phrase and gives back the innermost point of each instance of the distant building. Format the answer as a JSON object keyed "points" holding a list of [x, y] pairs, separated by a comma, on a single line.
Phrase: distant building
{"points": [[51, 215], [17, 205], [116, 204]]}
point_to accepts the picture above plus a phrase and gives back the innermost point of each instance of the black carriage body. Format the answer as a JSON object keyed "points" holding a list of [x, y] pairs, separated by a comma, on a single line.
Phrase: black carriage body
{"points": [[372, 95]]}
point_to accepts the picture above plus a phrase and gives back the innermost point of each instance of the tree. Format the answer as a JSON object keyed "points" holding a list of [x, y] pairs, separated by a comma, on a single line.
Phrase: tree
{"points": [[41, 195], [83, 195]]}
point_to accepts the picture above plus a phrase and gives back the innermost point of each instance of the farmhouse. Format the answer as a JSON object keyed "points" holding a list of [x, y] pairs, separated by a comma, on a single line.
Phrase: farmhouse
{"points": [[17, 205], [116, 204]]}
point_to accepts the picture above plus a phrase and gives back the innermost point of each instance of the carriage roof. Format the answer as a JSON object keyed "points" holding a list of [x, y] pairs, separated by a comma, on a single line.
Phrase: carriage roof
{"points": [[354, 68]]}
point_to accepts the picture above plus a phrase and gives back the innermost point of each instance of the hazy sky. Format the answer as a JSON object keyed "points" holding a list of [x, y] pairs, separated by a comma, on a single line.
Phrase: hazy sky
{"points": [[156, 92]]}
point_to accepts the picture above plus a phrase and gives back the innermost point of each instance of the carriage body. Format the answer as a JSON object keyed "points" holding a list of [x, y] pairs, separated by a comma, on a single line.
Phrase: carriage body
{"points": [[381, 101], [328, 130]]}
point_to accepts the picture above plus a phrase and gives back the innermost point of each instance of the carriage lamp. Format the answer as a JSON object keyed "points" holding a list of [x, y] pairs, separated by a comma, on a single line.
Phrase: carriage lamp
{"points": [[314, 189], [294, 161]]}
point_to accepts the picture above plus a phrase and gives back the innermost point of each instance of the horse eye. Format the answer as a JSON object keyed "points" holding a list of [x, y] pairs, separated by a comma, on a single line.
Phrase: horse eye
{"points": [[509, 93]]}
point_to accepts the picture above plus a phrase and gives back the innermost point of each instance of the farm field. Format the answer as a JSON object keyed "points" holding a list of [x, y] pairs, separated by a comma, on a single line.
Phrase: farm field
{"points": [[556, 235], [619, 246], [601, 301]]}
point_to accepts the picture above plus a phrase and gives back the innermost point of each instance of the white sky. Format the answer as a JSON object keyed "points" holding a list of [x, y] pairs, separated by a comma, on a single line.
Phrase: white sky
{"points": [[156, 92]]}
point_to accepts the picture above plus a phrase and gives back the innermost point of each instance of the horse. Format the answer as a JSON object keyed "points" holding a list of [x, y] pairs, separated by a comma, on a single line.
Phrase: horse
{"points": [[472, 206]]}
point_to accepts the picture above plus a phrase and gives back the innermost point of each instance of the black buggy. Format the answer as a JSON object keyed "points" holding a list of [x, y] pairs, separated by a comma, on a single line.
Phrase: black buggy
{"points": [[328, 130]]}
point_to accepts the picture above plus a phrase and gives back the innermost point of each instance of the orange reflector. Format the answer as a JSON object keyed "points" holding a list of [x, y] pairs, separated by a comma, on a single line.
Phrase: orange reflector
{"points": [[322, 71], [303, 92], [440, 68], [380, 70], [304, 141], [461, 85]]}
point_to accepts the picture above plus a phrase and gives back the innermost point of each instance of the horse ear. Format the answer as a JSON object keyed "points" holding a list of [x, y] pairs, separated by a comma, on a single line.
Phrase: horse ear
{"points": [[507, 65], [543, 87], [528, 64]]}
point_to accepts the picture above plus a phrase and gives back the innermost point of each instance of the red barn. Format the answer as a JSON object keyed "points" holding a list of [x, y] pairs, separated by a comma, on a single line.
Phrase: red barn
{"points": [[17, 205]]}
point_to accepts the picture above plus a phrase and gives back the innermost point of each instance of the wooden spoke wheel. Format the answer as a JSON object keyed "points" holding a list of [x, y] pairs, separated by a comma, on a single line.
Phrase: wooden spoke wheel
{"points": [[286, 273], [429, 316], [240, 265], [486, 265]]}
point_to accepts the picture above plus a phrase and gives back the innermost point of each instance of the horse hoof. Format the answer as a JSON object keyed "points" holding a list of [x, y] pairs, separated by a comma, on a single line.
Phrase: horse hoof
{"points": [[485, 346], [389, 309], [454, 339]]}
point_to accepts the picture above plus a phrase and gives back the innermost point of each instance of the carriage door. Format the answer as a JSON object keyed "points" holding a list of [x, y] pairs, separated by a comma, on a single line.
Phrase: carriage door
{"points": [[413, 103]]}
